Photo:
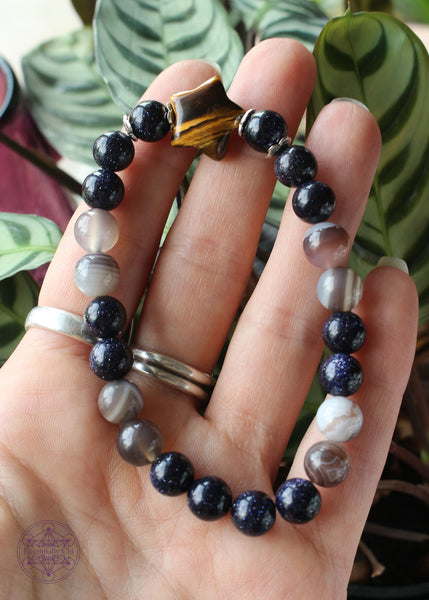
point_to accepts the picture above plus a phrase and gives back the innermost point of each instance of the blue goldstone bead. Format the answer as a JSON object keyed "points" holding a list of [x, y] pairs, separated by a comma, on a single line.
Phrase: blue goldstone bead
{"points": [[111, 359], [295, 166], [113, 150], [149, 121], [253, 513], [105, 317], [344, 332], [172, 473], [340, 374], [298, 501], [263, 129], [313, 202], [103, 189], [209, 498]]}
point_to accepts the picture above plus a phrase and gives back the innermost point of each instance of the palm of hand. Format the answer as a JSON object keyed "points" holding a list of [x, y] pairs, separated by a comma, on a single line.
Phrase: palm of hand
{"points": [[58, 459]]}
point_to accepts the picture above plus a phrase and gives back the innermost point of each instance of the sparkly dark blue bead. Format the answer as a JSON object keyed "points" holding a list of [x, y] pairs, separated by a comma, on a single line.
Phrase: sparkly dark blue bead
{"points": [[253, 513], [172, 473], [313, 202], [344, 332], [298, 501], [209, 498], [111, 359], [149, 121], [295, 166], [263, 129], [103, 189], [340, 374], [113, 150], [105, 317]]}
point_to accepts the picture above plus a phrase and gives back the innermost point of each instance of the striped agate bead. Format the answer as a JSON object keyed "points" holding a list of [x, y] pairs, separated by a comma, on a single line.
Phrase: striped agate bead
{"points": [[339, 289], [96, 274], [120, 400]]}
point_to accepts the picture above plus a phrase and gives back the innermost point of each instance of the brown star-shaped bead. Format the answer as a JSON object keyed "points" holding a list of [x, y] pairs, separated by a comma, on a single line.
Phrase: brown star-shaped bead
{"points": [[204, 118]]}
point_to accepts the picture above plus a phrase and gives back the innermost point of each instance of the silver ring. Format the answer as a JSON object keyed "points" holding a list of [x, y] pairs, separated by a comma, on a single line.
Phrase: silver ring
{"points": [[174, 381], [171, 365], [60, 321]]}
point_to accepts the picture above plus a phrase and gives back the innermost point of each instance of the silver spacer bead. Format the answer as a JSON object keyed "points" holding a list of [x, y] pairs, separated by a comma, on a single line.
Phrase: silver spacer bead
{"points": [[243, 120], [128, 128], [171, 118], [273, 150]]}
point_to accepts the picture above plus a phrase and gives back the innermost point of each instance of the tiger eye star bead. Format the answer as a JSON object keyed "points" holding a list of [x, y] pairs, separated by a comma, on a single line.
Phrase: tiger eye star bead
{"points": [[204, 118]]}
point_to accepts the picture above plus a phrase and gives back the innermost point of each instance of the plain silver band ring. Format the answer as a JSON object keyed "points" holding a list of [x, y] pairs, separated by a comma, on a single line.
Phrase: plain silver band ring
{"points": [[61, 321], [166, 363]]}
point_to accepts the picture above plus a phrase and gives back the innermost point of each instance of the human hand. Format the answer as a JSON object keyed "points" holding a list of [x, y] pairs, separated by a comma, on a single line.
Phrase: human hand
{"points": [[58, 459]]}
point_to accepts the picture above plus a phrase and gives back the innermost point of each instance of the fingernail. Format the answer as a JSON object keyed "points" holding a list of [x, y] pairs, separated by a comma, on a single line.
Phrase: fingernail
{"points": [[213, 64], [350, 100], [392, 261]]}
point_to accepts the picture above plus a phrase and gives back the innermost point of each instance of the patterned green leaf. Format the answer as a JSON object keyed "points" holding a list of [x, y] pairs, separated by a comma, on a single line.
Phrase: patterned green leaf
{"points": [[69, 100], [378, 60], [18, 295], [137, 40], [298, 19], [26, 242]]}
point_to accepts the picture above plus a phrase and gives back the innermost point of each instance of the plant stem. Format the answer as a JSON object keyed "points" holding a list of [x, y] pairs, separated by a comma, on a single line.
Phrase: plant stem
{"points": [[410, 459], [42, 162]]}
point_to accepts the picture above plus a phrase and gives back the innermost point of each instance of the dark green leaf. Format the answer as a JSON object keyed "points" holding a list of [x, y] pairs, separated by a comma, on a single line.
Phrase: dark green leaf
{"points": [[298, 19], [136, 41], [378, 60], [68, 98], [18, 295], [26, 242]]}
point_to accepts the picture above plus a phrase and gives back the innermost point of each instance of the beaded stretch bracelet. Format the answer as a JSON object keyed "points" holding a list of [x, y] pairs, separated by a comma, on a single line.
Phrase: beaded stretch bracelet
{"points": [[204, 118]]}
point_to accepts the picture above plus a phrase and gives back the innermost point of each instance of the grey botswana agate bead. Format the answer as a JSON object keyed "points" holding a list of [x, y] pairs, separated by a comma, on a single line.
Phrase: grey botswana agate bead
{"points": [[139, 442], [327, 464], [120, 400], [339, 289]]}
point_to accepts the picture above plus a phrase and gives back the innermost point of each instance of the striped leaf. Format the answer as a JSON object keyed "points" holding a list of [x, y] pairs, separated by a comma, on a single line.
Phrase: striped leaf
{"points": [[378, 60], [68, 98], [298, 19], [137, 40], [18, 295], [26, 242]]}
